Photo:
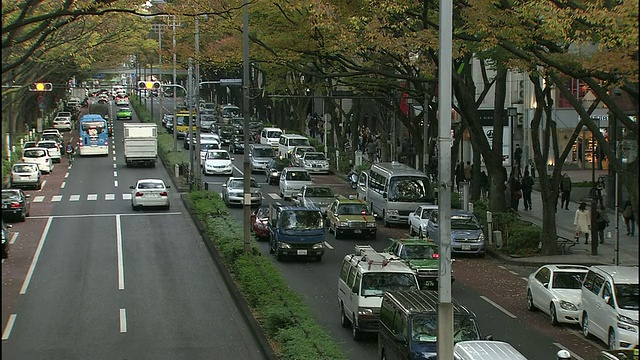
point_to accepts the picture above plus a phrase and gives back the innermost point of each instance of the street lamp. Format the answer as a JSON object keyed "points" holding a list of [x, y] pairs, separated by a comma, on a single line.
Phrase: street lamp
{"points": [[512, 113]]}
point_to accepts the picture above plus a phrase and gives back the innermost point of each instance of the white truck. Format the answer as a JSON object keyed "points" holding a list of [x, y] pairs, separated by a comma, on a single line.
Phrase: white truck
{"points": [[140, 144]]}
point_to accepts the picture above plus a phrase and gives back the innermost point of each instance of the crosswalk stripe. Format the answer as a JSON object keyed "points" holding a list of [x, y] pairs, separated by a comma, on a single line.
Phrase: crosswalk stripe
{"points": [[56, 198], [275, 196], [74, 198], [92, 197], [109, 196], [38, 198], [126, 196]]}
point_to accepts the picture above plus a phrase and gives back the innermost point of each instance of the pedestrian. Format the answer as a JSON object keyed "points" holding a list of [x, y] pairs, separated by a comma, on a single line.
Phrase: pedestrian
{"points": [[600, 190], [371, 149], [517, 156], [468, 172], [527, 188], [565, 188], [459, 175], [515, 190], [532, 167], [629, 218], [582, 222], [602, 221], [484, 184]]}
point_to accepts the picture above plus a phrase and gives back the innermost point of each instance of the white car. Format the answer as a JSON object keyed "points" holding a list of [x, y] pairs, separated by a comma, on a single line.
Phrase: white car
{"points": [[49, 132], [556, 290], [62, 123], [297, 153], [25, 174], [122, 101], [418, 220], [148, 193], [206, 145], [315, 162], [54, 149], [292, 179], [39, 156], [217, 162]]}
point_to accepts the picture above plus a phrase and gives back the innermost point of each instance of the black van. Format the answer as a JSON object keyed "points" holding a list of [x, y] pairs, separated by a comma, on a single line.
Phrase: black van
{"points": [[408, 325]]}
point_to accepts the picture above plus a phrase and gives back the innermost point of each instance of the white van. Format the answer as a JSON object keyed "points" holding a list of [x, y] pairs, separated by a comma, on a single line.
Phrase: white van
{"points": [[610, 305], [485, 350], [271, 136], [39, 156], [289, 141]]}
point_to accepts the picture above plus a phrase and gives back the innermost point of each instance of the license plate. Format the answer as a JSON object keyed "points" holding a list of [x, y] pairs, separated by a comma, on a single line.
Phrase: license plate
{"points": [[466, 247], [429, 283], [301, 252], [357, 231]]}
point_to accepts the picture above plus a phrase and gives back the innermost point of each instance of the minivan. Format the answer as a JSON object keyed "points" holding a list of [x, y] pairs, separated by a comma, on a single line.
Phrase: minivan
{"points": [[287, 142], [610, 305], [485, 350], [409, 324], [271, 136]]}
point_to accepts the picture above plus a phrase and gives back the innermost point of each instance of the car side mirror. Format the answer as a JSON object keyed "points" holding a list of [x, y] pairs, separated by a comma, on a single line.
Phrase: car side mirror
{"points": [[232, 159], [384, 195], [27, 196], [399, 338], [168, 186], [224, 185], [607, 299], [132, 187], [489, 337]]}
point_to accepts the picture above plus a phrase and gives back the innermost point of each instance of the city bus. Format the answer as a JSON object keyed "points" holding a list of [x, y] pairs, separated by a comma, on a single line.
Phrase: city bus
{"points": [[93, 136], [182, 123], [393, 190]]}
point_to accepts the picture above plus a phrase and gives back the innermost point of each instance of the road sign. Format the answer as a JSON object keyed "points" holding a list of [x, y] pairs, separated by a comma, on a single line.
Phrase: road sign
{"points": [[229, 82], [41, 106], [40, 99]]}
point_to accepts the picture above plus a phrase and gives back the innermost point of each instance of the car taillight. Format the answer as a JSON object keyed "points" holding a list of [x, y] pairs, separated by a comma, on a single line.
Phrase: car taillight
{"points": [[435, 256], [15, 205], [138, 193], [164, 193], [106, 142]]}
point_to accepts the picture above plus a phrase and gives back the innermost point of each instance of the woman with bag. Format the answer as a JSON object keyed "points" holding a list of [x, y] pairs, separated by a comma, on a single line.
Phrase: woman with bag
{"points": [[629, 218], [602, 221], [581, 222]]}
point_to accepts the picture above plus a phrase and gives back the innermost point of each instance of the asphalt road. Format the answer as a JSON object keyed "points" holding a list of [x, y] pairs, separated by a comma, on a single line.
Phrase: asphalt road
{"points": [[496, 292], [88, 278]]}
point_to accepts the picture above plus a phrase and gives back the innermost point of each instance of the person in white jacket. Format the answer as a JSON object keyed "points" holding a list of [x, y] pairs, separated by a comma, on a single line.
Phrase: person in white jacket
{"points": [[582, 222]]}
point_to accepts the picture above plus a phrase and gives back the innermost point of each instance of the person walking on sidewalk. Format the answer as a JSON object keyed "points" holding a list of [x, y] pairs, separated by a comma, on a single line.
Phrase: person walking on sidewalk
{"points": [[565, 188], [629, 218], [515, 191], [527, 187], [582, 222], [602, 221]]}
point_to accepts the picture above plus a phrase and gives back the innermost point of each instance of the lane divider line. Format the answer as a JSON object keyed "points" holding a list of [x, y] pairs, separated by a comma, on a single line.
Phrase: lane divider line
{"points": [[505, 311], [7, 329], [102, 215], [64, 183], [114, 158], [119, 254], [42, 185], [326, 244], [114, 165], [36, 256], [115, 183], [123, 320], [115, 173], [66, 175], [13, 238]]}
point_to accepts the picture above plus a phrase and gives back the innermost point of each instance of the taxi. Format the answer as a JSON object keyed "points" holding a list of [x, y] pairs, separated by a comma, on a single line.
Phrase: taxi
{"points": [[420, 255], [351, 216]]}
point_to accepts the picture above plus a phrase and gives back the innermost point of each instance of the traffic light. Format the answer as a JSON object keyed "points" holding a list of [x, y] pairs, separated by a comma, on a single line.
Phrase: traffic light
{"points": [[148, 85], [41, 87]]}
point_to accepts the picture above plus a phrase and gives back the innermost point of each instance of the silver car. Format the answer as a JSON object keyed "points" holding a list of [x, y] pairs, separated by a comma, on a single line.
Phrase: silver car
{"points": [[315, 162], [25, 174], [317, 196], [233, 190], [292, 179], [466, 232], [260, 155], [149, 193]]}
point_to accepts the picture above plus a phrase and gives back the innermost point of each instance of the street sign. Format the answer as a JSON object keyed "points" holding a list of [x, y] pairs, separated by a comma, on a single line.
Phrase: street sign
{"points": [[41, 106], [229, 82], [40, 99]]}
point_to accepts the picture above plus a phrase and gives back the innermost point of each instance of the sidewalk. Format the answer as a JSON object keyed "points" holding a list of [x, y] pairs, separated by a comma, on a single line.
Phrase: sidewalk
{"points": [[581, 253]]}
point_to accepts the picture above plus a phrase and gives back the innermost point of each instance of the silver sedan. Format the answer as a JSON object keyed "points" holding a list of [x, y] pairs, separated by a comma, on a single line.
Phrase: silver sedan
{"points": [[233, 192], [149, 193]]}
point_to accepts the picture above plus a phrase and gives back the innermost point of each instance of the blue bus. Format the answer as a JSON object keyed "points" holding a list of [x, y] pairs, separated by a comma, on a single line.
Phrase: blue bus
{"points": [[93, 135]]}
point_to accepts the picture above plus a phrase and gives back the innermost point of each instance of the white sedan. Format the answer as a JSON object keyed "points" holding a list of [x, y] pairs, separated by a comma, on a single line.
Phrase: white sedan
{"points": [[556, 290], [62, 123], [217, 162], [418, 220], [149, 192]]}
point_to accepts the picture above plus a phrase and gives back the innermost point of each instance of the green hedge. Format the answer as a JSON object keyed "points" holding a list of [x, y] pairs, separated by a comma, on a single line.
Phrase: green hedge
{"points": [[283, 314]]}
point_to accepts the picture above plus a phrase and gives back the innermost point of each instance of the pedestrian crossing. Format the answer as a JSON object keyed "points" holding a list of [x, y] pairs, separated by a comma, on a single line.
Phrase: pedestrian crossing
{"points": [[105, 197]]}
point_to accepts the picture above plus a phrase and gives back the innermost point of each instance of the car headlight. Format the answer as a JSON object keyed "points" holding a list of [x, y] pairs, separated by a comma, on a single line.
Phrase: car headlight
{"points": [[371, 224], [257, 193], [317, 246], [627, 323], [392, 212], [284, 245], [343, 223], [365, 312], [481, 237], [568, 305], [274, 173]]}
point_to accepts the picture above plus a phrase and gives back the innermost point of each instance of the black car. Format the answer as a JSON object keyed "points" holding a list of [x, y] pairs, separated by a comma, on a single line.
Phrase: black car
{"points": [[5, 241], [273, 169], [226, 134], [15, 204], [237, 144]]}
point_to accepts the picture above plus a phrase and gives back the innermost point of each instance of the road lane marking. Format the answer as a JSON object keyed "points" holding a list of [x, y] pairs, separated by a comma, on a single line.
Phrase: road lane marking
{"points": [[524, 278], [120, 255], [64, 183], [328, 245], [103, 215], [513, 272], [13, 238], [39, 198], [275, 196], [74, 198], [115, 183], [502, 267], [115, 173], [92, 197], [7, 329], [573, 355], [109, 196], [114, 149], [43, 184], [238, 170], [114, 158], [56, 198], [126, 196], [115, 165], [123, 320], [36, 256], [499, 307], [66, 175]]}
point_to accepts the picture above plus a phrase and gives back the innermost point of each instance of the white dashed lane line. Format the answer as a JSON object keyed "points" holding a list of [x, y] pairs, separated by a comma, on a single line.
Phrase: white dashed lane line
{"points": [[505, 311]]}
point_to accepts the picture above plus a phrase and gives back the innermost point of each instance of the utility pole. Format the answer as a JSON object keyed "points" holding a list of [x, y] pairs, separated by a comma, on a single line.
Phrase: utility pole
{"points": [[190, 104], [246, 82], [175, 124], [160, 90], [197, 101], [445, 307]]}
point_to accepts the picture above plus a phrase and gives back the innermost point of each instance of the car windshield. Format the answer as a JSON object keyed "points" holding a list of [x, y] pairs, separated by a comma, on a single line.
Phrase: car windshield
{"points": [[239, 184], [301, 151], [98, 126], [280, 164], [464, 222], [22, 168], [263, 152], [274, 134], [352, 209], [300, 220], [416, 251], [10, 194], [298, 142], [209, 146], [627, 296], [50, 136], [150, 185], [319, 192], [314, 156], [124, 110], [568, 280], [298, 176], [35, 153], [218, 155], [424, 328], [377, 283], [408, 188], [47, 145]]}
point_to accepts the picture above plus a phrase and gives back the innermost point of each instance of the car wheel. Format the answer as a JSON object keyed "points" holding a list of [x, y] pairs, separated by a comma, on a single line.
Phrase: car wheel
{"points": [[530, 305], [23, 217], [585, 325], [356, 334], [411, 233], [420, 235], [344, 320], [553, 315], [279, 256], [612, 340], [337, 233]]}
